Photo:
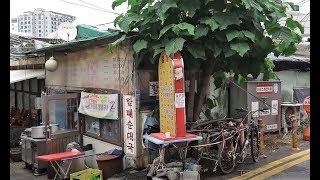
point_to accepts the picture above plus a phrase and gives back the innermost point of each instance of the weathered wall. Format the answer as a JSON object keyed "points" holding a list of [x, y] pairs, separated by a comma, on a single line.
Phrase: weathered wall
{"points": [[94, 68], [289, 79]]}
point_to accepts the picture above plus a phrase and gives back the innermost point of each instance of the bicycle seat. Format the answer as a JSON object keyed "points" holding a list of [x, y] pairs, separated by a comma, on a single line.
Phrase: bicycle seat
{"points": [[236, 120]]}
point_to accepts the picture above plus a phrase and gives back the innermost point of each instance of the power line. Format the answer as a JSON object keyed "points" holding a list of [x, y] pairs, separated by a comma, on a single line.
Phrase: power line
{"points": [[98, 7], [89, 7]]}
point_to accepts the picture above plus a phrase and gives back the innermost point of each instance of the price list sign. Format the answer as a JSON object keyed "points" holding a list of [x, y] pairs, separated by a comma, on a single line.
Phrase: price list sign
{"points": [[167, 95]]}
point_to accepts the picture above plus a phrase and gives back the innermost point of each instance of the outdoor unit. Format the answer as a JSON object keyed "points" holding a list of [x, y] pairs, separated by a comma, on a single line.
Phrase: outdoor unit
{"points": [[288, 109], [254, 95]]}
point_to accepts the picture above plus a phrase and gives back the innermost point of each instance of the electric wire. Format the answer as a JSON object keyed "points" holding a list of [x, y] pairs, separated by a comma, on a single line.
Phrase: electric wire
{"points": [[98, 7], [90, 7]]}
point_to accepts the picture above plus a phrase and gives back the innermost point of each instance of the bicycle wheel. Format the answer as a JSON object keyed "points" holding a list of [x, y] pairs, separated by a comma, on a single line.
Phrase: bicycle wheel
{"points": [[255, 143], [226, 158]]}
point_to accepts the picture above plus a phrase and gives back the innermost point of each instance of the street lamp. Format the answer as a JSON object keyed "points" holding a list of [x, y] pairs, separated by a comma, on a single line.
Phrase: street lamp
{"points": [[51, 64]]}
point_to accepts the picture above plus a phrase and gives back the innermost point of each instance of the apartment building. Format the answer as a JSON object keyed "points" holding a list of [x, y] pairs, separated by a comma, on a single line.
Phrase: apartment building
{"points": [[39, 23]]}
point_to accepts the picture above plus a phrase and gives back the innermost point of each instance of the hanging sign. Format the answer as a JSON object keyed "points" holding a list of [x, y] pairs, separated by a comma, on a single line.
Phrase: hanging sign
{"points": [[103, 106], [129, 124]]}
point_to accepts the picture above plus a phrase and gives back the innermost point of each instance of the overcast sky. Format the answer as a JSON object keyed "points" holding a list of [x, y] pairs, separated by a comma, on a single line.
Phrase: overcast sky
{"points": [[86, 15]]}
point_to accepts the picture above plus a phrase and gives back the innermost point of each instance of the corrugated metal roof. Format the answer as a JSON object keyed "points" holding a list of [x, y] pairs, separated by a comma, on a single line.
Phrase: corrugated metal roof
{"points": [[21, 75]]}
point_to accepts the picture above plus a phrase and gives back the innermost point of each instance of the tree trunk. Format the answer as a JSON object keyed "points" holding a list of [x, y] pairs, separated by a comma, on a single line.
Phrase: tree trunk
{"points": [[191, 97], [203, 89]]}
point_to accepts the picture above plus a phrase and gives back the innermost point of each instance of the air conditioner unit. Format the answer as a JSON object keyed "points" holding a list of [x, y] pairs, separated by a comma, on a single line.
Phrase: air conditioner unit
{"points": [[288, 109]]}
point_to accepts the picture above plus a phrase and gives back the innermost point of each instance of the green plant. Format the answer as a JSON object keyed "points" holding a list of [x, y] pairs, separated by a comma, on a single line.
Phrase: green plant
{"points": [[215, 36]]}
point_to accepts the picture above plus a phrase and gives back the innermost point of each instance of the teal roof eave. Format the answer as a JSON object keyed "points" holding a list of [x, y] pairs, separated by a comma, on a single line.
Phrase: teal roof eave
{"points": [[74, 42]]}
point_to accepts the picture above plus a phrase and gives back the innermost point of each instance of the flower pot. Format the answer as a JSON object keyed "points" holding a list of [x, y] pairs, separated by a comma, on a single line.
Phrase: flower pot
{"points": [[15, 155], [306, 134]]}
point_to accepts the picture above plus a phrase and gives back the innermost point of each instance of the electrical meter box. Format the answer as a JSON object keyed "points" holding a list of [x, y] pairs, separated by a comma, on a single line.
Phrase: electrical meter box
{"points": [[254, 95]]}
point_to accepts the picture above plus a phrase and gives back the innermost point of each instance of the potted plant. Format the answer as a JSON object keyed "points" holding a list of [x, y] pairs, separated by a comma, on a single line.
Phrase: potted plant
{"points": [[15, 154]]}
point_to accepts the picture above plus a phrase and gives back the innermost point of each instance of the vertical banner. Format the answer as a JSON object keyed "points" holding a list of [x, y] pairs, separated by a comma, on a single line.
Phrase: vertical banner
{"points": [[129, 124], [167, 95]]}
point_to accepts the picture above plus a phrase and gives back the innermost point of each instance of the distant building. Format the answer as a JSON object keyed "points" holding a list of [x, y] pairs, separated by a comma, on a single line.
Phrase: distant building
{"points": [[39, 23]]}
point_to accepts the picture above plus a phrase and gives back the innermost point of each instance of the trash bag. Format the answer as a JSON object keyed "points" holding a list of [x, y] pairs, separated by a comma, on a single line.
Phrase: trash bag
{"points": [[115, 152]]}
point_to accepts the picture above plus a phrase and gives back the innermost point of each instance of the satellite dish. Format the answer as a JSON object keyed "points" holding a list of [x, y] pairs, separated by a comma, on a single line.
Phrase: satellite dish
{"points": [[66, 31]]}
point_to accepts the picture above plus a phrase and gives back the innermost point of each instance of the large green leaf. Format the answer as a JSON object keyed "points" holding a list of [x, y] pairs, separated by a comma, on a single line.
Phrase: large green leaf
{"points": [[117, 3], [166, 4], [211, 22], [219, 77], [197, 51], [140, 44], [125, 22], [189, 6], [116, 20], [287, 49], [200, 31], [157, 51], [232, 34], [252, 4], [183, 26], [249, 35], [292, 24], [209, 103], [116, 42], [228, 52], [240, 48], [226, 19], [282, 33], [216, 50], [174, 45], [293, 6], [165, 29], [266, 43]]}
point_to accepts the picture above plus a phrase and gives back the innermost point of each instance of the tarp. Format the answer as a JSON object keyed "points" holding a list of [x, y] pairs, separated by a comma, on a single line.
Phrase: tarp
{"points": [[21, 75], [86, 31]]}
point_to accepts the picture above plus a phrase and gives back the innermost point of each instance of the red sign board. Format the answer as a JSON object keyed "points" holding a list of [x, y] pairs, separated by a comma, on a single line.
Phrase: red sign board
{"points": [[264, 89]]}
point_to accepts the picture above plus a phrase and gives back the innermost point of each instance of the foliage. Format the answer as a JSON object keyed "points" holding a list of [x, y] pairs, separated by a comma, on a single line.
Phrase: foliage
{"points": [[237, 35], [210, 104]]}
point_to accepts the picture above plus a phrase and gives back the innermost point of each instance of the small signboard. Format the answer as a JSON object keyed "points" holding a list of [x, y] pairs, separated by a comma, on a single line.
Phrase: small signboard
{"points": [[129, 124], [264, 88]]}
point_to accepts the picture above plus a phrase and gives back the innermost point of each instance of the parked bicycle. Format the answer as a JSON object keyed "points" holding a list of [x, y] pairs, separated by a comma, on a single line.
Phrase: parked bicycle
{"points": [[245, 138]]}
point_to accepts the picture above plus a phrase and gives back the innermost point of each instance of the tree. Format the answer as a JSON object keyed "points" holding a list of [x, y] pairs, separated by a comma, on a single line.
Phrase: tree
{"points": [[216, 36]]}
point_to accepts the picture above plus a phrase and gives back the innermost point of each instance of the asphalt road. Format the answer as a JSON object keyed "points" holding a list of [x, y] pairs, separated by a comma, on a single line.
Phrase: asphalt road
{"points": [[283, 163]]}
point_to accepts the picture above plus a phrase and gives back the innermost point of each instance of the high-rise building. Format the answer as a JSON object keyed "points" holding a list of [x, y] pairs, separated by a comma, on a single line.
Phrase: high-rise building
{"points": [[39, 23]]}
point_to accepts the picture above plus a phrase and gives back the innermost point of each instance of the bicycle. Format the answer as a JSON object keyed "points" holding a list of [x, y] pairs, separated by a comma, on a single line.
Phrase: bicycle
{"points": [[245, 134]]}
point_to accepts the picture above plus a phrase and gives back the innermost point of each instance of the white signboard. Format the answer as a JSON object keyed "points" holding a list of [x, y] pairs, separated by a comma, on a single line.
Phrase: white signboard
{"points": [[180, 100], [103, 106], [274, 110], [129, 124], [264, 89], [265, 112], [255, 107]]}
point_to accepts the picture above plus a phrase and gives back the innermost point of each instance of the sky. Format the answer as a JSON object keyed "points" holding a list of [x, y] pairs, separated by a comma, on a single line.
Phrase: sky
{"points": [[84, 15], [87, 15]]}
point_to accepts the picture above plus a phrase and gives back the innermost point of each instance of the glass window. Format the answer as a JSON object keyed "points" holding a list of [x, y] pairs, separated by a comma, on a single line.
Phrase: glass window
{"points": [[26, 101], [34, 85], [12, 98], [19, 100], [12, 86], [32, 101], [92, 125], [18, 84], [26, 85], [57, 112]]}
